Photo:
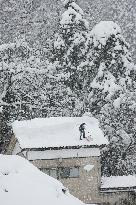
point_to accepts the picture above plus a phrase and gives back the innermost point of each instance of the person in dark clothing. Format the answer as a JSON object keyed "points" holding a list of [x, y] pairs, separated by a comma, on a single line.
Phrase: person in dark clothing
{"points": [[82, 130]]}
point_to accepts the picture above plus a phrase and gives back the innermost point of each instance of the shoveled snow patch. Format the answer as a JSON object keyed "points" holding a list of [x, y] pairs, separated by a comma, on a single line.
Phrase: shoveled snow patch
{"points": [[22, 183], [88, 167]]}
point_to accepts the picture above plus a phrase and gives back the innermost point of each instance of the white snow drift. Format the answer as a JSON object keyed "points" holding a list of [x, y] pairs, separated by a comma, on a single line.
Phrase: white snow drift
{"points": [[23, 184]]}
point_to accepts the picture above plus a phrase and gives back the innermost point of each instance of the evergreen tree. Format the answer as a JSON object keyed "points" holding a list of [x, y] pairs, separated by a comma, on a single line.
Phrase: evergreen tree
{"points": [[22, 76], [69, 48], [9, 70], [112, 62], [112, 96], [69, 58], [118, 123]]}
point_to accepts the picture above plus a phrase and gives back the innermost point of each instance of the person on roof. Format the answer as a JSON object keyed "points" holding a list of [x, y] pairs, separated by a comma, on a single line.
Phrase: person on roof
{"points": [[82, 130]]}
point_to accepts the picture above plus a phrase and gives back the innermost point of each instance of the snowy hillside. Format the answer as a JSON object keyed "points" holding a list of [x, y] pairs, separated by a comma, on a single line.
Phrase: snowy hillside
{"points": [[37, 20], [22, 183]]}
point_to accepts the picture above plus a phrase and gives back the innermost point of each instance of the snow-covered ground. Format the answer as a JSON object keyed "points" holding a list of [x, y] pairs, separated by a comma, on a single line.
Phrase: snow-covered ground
{"points": [[57, 131], [23, 184]]}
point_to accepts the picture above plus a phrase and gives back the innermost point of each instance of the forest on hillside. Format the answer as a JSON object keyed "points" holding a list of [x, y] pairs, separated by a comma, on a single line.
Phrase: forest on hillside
{"points": [[37, 20], [57, 64]]}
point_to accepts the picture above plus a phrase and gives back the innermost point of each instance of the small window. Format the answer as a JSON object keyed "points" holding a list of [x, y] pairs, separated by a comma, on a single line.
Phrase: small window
{"points": [[45, 170], [74, 172], [64, 172], [50, 171], [69, 172], [53, 173]]}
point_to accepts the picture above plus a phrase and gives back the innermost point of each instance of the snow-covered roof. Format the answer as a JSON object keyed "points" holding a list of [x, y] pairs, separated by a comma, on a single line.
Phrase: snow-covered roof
{"points": [[118, 182], [57, 132], [22, 183]]}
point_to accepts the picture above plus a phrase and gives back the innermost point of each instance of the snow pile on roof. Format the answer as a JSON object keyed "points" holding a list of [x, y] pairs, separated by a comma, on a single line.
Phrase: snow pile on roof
{"points": [[103, 30], [118, 182], [57, 132], [22, 183]]}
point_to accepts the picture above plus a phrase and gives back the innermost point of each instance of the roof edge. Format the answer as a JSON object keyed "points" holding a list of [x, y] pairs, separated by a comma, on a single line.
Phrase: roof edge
{"points": [[114, 189], [63, 147]]}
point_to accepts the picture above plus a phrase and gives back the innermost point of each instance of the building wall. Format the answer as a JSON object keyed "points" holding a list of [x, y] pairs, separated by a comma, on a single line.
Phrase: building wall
{"points": [[63, 153], [86, 187], [117, 198], [12, 145]]}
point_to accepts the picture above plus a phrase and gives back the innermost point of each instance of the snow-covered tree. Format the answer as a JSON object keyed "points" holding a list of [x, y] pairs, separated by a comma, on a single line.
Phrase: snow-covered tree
{"points": [[69, 58], [69, 48], [22, 76], [112, 96], [119, 126], [60, 99], [10, 55], [113, 64]]}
